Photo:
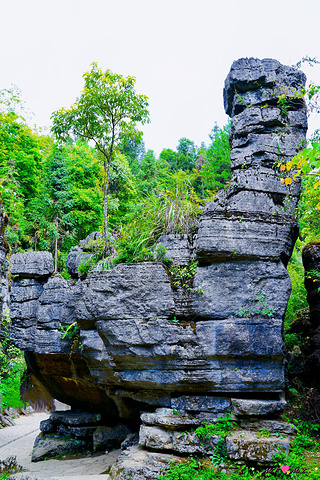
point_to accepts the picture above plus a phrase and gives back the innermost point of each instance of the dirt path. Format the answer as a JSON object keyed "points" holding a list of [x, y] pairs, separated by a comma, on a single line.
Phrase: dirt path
{"points": [[18, 440]]}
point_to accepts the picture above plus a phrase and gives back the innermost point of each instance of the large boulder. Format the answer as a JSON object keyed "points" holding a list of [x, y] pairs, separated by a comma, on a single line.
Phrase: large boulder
{"points": [[144, 337]]}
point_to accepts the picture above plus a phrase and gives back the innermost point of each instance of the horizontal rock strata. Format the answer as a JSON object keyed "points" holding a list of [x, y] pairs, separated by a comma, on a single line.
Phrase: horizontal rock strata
{"points": [[208, 344]]}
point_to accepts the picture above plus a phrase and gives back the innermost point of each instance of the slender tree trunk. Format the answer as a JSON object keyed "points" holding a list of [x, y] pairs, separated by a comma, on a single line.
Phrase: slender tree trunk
{"points": [[105, 217], [105, 210], [56, 248], [107, 166]]}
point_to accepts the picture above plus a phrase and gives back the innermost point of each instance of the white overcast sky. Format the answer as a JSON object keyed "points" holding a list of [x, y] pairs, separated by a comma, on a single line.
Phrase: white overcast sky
{"points": [[180, 51]]}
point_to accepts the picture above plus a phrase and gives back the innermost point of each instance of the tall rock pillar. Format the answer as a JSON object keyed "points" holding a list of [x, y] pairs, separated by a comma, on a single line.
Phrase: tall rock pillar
{"points": [[246, 236]]}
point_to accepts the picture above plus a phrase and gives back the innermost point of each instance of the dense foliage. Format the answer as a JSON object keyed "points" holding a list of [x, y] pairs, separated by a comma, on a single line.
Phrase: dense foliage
{"points": [[106, 113], [12, 367], [54, 192]]}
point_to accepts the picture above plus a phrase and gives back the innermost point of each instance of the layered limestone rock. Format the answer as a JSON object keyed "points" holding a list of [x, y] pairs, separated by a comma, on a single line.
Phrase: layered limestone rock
{"points": [[80, 431], [214, 345]]}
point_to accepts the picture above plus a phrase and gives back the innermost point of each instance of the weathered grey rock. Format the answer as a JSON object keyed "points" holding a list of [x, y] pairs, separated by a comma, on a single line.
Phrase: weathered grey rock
{"points": [[130, 440], [75, 418], [139, 464], [24, 314], [172, 419], [81, 253], [259, 120], [47, 426], [269, 143], [4, 295], [179, 248], [237, 235], [30, 338], [126, 292], [245, 446], [49, 447], [262, 179], [256, 407], [231, 288], [27, 410], [86, 243], [148, 342], [32, 264], [155, 438], [10, 465], [62, 430], [266, 78], [38, 309], [75, 258], [82, 431], [272, 205], [12, 412], [106, 438], [3, 253], [169, 418], [26, 289], [6, 421], [273, 426], [201, 403], [155, 354]]}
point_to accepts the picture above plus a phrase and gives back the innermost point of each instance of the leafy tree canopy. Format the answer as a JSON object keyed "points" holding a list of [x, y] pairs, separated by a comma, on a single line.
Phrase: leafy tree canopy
{"points": [[106, 113]]}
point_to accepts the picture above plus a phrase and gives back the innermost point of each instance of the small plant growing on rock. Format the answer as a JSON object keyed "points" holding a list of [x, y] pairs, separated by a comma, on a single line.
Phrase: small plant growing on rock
{"points": [[182, 276], [222, 426], [198, 289], [174, 320], [69, 331], [259, 306], [264, 433], [156, 254], [97, 262], [282, 103], [183, 273], [72, 333]]}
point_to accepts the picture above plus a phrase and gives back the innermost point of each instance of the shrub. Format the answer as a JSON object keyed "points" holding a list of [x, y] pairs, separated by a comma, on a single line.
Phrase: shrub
{"points": [[12, 367]]}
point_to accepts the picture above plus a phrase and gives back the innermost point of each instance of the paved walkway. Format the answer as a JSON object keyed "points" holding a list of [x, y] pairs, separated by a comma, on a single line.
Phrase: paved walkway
{"points": [[18, 440]]}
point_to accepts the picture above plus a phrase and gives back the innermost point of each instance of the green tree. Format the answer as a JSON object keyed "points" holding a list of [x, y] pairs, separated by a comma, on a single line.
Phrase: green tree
{"points": [[85, 177], [171, 157], [68, 206], [11, 102], [54, 206], [106, 112], [186, 154], [122, 191], [134, 150], [215, 171], [20, 169]]}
